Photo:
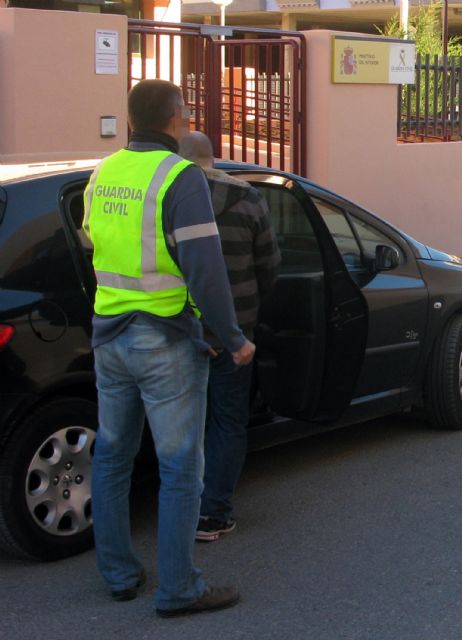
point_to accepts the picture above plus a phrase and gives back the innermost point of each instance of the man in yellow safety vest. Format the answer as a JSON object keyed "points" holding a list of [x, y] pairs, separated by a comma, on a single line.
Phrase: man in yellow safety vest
{"points": [[158, 265]]}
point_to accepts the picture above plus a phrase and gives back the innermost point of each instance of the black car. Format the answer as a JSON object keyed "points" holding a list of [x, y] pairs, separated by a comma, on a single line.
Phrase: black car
{"points": [[363, 321]]}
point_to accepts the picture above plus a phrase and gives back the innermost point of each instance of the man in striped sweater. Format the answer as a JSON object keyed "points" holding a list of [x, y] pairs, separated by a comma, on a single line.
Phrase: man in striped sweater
{"points": [[252, 257]]}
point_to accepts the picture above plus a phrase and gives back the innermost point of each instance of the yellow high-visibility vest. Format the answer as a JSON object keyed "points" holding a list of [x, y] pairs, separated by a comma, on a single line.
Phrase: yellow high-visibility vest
{"points": [[123, 219]]}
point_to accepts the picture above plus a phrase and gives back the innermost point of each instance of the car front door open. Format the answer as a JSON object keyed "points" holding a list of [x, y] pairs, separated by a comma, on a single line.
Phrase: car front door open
{"points": [[312, 326]]}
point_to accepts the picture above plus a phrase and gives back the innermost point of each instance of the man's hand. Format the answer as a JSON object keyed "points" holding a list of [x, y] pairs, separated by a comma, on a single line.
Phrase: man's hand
{"points": [[245, 354]]}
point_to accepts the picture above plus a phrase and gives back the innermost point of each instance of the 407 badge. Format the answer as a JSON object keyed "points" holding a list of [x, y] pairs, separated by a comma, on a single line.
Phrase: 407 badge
{"points": [[348, 63]]}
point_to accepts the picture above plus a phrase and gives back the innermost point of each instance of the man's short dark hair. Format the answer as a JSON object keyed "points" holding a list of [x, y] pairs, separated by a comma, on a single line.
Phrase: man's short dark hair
{"points": [[152, 103]]}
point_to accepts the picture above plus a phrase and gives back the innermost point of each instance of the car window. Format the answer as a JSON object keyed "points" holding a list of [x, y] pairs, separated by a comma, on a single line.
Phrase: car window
{"points": [[82, 249], [370, 237], [341, 232], [297, 241], [76, 212], [355, 239], [2, 203]]}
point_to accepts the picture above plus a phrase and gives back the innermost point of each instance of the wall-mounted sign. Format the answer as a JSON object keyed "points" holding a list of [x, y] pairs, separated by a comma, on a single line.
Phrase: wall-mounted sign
{"points": [[107, 52], [372, 60]]}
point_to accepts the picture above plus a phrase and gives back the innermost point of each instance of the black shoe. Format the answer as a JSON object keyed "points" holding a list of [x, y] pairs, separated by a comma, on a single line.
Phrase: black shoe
{"points": [[123, 595], [213, 599], [210, 529]]}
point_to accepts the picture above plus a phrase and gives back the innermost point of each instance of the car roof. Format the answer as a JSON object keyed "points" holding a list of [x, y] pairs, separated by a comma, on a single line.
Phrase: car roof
{"points": [[12, 173], [16, 172]]}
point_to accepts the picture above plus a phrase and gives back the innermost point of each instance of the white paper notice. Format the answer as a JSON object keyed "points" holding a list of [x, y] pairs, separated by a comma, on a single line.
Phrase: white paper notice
{"points": [[107, 52]]}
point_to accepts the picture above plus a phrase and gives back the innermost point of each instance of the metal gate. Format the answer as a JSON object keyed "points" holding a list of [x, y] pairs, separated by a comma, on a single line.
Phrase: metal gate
{"points": [[245, 87]]}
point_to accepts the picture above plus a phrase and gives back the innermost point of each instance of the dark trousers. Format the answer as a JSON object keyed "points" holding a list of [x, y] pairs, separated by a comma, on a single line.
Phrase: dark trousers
{"points": [[226, 434]]}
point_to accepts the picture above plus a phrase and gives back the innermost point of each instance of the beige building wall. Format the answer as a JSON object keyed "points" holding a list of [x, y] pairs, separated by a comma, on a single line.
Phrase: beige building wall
{"points": [[51, 101], [51, 98], [352, 149]]}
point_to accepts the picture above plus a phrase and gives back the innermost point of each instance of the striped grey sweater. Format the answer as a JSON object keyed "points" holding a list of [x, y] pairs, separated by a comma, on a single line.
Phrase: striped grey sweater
{"points": [[249, 245]]}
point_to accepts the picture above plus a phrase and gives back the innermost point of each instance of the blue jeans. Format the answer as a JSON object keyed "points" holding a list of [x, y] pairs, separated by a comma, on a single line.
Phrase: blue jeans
{"points": [[226, 434], [140, 372]]}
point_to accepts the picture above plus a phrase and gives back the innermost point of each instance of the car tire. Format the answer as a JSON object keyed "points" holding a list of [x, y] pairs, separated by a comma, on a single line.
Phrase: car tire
{"points": [[45, 488], [443, 385]]}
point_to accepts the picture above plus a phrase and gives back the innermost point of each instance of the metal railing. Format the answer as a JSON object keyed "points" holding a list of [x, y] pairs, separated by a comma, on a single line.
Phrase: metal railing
{"points": [[246, 87], [430, 109], [264, 100]]}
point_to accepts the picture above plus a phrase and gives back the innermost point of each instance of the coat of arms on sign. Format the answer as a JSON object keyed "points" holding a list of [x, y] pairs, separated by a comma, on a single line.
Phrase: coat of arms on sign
{"points": [[348, 62]]}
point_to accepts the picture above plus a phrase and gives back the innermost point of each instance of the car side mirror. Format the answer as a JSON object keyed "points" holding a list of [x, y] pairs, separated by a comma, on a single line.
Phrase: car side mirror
{"points": [[386, 257]]}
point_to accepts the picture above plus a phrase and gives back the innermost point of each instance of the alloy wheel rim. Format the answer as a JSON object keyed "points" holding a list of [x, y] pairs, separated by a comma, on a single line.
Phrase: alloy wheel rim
{"points": [[58, 482]]}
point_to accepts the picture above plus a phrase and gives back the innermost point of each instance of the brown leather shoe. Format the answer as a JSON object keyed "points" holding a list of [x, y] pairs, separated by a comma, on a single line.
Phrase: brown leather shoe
{"points": [[212, 599]]}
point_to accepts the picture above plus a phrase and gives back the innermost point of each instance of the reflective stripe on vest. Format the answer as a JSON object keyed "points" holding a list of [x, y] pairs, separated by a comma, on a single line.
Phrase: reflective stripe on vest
{"points": [[106, 198]]}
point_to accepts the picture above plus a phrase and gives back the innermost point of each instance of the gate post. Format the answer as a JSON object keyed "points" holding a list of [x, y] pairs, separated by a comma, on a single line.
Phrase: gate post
{"points": [[213, 95]]}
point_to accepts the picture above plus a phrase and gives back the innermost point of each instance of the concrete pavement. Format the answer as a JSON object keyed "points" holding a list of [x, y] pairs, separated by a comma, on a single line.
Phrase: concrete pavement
{"points": [[354, 534]]}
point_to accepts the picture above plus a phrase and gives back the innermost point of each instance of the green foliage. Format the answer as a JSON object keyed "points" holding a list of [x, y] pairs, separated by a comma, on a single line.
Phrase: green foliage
{"points": [[425, 29]]}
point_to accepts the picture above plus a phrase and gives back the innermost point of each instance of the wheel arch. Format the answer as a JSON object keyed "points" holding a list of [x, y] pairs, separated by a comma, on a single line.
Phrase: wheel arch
{"points": [[84, 389]]}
